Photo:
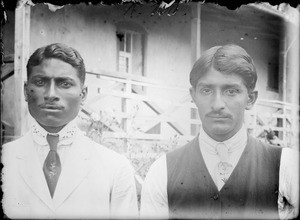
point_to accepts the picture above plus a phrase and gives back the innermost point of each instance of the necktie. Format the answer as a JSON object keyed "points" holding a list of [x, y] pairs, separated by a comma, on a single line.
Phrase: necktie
{"points": [[224, 168], [52, 165]]}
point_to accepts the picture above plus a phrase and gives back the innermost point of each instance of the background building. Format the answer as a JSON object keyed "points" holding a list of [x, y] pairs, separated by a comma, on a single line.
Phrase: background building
{"points": [[138, 61]]}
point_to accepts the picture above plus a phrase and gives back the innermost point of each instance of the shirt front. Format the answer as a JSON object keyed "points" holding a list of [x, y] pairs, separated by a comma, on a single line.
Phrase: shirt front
{"points": [[154, 199], [66, 138], [235, 146]]}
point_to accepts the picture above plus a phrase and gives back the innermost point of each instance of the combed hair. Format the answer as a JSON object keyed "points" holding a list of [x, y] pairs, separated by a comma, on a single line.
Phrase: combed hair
{"points": [[227, 59], [61, 52]]}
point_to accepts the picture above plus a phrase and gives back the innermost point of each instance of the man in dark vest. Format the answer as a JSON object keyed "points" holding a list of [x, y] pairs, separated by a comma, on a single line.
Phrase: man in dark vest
{"points": [[223, 173]]}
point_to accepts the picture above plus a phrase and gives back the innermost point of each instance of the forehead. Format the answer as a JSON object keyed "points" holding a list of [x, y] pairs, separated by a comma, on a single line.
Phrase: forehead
{"points": [[216, 78], [54, 68]]}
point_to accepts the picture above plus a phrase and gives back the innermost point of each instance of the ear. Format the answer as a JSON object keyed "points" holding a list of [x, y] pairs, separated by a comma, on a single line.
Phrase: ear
{"points": [[252, 97], [25, 88], [83, 94]]}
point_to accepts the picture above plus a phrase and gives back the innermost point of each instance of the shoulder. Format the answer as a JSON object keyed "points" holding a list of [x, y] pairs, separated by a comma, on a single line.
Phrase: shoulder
{"points": [[21, 140], [178, 151], [264, 152], [15, 146], [182, 158], [158, 166], [254, 142], [156, 178], [183, 151], [290, 157]]}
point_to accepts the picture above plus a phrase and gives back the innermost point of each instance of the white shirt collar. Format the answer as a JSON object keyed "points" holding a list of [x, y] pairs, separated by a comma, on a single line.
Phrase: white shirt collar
{"points": [[237, 141], [66, 135]]}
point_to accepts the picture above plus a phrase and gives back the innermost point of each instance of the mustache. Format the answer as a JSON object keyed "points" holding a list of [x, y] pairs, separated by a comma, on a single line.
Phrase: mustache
{"points": [[50, 106], [218, 114]]}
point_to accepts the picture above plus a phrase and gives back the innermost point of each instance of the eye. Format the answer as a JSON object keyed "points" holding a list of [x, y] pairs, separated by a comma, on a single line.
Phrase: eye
{"points": [[39, 82], [65, 84], [231, 92], [206, 91]]}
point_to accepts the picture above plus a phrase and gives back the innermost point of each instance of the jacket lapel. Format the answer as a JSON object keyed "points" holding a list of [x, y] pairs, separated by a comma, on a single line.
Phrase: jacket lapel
{"points": [[74, 170], [31, 171]]}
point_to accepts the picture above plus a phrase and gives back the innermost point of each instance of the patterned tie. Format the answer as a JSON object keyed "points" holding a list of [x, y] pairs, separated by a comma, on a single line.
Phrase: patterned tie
{"points": [[224, 168], [52, 166]]}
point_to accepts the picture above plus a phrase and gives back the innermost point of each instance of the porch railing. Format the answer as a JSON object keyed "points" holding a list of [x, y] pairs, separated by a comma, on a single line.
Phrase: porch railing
{"points": [[267, 116]]}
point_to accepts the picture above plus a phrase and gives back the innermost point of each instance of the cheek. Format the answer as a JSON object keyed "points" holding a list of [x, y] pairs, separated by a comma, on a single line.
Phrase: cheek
{"points": [[73, 100], [32, 95], [202, 105], [238, 108]]}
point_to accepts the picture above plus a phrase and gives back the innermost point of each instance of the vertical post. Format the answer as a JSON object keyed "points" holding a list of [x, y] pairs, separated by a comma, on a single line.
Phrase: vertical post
{"points": [[195, 36], [284, 57], [22, 34], [284, 125], [125, 106], [125, 109], [195, 31]]}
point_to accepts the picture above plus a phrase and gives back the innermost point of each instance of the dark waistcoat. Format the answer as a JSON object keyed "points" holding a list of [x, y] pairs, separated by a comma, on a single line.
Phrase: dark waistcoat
{"points": [[250, 192]]}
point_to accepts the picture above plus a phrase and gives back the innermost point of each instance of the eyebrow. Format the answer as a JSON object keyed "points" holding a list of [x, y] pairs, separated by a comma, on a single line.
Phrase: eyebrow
{"points": [[223, 85], [55, 78]]}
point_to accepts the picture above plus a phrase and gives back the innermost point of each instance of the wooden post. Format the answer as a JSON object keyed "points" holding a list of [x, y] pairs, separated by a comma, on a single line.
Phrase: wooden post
{"points": [[125, 107], [284, 125], [284, 57], [195, 34], [22, 34], [195, 31]]}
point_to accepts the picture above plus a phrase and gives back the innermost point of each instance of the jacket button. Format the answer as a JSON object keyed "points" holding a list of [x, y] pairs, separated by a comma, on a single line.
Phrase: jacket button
{"points": [[215, 197]]}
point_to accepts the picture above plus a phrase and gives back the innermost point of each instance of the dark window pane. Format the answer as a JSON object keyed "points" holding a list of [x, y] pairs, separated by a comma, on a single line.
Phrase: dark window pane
{"points": [[121, 39], [128, 42]]}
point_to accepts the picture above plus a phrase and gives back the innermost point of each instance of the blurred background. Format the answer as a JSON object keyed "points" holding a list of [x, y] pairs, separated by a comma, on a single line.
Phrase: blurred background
{"points": [[138, 56]]}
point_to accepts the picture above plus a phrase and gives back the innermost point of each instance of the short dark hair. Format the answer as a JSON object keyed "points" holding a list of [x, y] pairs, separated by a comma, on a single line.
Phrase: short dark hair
{"points": [[227, 59], [61, 52]]}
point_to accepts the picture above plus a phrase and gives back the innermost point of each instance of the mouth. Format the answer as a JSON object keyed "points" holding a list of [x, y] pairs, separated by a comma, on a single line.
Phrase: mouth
{"points": [[218, 117], [50, 107]]}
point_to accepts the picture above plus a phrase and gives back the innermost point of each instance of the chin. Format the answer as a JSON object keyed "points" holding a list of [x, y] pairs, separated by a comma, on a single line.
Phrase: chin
{"points": [[221, 131], [52, 122]]}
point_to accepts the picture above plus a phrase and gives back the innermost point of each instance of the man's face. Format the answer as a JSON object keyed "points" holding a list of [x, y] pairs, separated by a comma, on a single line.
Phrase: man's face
{"points": [[221, 101], [54, 94]]}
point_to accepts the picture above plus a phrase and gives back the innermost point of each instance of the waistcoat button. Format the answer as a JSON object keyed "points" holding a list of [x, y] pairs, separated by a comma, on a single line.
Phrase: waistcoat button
{"points": [[215, 197]]}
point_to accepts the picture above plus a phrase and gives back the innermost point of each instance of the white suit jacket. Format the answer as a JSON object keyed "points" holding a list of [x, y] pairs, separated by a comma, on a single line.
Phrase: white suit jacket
{"points": [[95, 182]]}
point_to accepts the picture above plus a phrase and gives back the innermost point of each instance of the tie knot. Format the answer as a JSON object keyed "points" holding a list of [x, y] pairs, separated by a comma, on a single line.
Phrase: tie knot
{"points": [[222, 151], [52, 141]]}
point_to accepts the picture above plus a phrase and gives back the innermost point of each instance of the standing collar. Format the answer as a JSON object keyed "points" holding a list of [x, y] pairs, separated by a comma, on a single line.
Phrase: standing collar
{"points": [[66, 135], [237, 141]]}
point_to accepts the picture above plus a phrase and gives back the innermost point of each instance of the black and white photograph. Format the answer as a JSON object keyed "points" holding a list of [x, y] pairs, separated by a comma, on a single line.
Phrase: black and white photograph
{"points": [[149, 109]]}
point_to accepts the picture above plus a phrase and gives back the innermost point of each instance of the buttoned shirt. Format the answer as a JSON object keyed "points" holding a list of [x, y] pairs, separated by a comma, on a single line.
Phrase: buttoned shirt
{"points": [[154, 197], [235, 147], [66, 138]]}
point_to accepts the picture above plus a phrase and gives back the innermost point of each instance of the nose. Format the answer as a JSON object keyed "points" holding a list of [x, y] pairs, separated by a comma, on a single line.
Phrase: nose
{"points": [[51, 93], [218, 102]]}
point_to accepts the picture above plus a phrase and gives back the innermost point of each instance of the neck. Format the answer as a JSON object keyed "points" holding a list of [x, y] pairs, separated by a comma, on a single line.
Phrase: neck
{"points": [[218, 137], [52, 129], [222, 137]]}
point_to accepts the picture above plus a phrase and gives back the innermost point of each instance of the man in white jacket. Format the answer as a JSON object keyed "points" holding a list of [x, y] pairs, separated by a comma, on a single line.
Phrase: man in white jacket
{"points": [[54, 171]]}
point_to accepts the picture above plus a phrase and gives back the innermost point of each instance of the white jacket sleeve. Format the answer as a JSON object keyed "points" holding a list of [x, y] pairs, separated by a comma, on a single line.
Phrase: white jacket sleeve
{"points": [[154, 198], [288, 199]]}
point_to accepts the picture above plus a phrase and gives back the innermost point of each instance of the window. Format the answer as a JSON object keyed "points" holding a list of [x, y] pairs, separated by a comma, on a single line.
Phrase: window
{"points": [[130, 52], [273, 76], [125, 52], [131, 39]]}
